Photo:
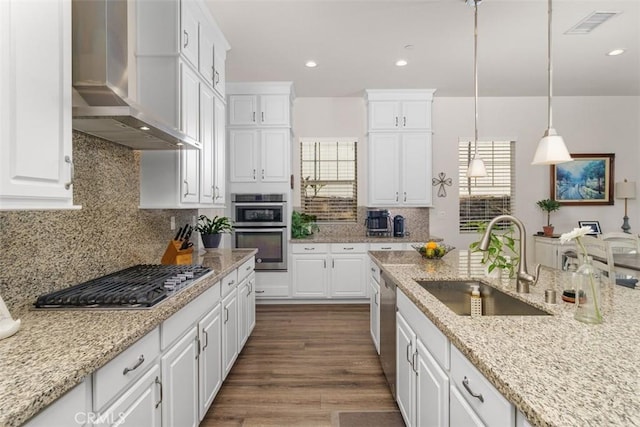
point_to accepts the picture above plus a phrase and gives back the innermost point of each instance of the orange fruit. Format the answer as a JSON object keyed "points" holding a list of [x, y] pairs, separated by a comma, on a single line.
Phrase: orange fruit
{"points": [[432, 245]]}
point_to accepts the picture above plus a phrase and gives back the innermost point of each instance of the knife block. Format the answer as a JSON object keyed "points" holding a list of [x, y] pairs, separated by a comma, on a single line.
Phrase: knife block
{"points": [[174, 255]]}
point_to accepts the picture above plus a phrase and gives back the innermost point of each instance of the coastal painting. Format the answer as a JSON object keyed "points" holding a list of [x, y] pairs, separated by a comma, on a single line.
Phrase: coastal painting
{"points": [[587, 180]]}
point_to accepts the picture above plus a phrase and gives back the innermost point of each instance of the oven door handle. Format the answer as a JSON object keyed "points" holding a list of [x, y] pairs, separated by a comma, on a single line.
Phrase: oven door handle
{"points": [[260, 229], [259, 205]]}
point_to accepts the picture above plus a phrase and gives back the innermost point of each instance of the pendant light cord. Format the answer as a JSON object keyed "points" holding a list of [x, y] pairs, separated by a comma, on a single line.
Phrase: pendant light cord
{"points": [[550, 68], [475, 74]]}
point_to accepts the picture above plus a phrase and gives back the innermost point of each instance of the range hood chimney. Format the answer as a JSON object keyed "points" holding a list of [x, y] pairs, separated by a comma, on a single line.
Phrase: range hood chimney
{"points": [[102, 105]]}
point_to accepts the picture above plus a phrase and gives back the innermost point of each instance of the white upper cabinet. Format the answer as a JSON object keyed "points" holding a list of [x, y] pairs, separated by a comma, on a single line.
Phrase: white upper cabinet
{"points": [[36, 165], [207, 152], [220, 159], [273, 110], [189, 30], [400, 109], [259, 155], [384, 115], [206, 55]]}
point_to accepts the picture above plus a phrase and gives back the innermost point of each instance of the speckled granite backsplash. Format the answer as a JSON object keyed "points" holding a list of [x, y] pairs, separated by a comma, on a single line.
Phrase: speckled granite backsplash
{"points": [[416, 223], [50, 250]]}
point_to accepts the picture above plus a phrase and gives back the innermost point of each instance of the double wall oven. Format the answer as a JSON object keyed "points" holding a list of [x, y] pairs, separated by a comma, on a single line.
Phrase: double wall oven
{"points": [[260, 221]]}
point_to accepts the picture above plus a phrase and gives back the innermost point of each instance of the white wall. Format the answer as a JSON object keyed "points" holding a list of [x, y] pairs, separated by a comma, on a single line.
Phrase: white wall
{"points": [[588, 125]]}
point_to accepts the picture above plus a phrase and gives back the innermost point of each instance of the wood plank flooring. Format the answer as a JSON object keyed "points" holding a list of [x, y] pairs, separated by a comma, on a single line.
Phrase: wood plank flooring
{"points": [[301, 364]]}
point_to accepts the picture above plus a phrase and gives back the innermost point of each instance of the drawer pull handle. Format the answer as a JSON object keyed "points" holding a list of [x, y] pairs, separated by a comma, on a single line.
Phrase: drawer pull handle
{"points": [[259, 292], [72, 172], [248, 268], [409, 351], [232, 282], [309, 249], [186, 38], [347, 249], [465, 383], [373, 269], [206, 339], [386, 248], [134, 367], [159, 383]]}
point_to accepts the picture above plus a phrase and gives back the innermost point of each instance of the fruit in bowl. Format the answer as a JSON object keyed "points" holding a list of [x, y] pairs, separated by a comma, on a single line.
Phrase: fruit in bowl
{"points": [[433, 250]]}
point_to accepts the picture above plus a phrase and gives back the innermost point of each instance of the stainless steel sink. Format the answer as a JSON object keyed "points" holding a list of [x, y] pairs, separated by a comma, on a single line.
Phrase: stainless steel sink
{"points": [[456, 295]]}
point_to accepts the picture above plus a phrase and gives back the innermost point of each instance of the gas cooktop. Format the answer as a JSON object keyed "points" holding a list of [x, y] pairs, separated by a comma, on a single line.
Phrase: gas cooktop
{"points": [[137, 287]]}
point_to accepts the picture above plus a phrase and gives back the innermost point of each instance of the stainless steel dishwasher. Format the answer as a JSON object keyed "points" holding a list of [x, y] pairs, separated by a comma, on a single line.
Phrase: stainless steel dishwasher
{"points": [[388, 330]]}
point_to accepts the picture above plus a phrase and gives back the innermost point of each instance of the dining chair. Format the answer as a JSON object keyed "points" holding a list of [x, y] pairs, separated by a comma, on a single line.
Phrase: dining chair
{"points": [[601, 252], [622, 243]]}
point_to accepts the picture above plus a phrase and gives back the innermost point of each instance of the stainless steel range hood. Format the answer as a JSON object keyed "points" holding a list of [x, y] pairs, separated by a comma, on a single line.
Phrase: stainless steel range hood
{"points": [[102, 103]]}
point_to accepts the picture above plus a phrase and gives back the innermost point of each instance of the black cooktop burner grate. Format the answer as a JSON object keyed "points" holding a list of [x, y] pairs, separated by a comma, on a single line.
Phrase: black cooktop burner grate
{"points": [[140, 286]]}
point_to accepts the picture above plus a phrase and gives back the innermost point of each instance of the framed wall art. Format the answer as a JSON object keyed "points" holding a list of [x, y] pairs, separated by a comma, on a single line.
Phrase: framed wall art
{"points": [[595, 227], [587, 180]]}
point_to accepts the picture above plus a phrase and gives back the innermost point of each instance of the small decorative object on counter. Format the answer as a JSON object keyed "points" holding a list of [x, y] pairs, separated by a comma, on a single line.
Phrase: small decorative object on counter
{"points": [[211, 230], [587, 281], [180, 249], [433, 250], [548, 206], [476, 302]]}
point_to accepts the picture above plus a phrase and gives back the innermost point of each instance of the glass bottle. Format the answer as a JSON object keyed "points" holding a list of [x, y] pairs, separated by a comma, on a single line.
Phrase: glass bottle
{"points": [[588, 295]]}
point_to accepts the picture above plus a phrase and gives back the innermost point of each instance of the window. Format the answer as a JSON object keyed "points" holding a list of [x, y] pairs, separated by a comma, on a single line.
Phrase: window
{"points": [[329, 178], [482, 199]]}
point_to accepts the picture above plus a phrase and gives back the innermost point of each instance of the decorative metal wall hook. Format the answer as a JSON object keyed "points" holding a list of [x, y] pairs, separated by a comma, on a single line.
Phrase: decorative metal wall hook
{"points": [[442, 180]]}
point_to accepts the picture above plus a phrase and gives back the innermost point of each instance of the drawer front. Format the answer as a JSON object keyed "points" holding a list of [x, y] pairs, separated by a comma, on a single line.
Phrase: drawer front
{"points": [[348, 248], [245, 269], [374, 271], [175, 326], [311, 248], [229, 283], [129, 365], [495, 410], [435, 341], [386, 246]]}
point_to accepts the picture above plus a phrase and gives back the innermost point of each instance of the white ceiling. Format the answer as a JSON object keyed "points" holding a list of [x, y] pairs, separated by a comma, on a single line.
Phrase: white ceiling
{"points": [[356, 44]]}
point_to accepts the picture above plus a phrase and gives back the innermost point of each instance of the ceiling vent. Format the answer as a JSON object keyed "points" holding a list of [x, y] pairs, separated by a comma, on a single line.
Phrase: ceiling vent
{"points": [[592, 21]]}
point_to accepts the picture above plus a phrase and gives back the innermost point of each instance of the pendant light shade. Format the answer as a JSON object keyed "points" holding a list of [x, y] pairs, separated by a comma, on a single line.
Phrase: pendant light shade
{"points": [[551, 148], [476, 167]]}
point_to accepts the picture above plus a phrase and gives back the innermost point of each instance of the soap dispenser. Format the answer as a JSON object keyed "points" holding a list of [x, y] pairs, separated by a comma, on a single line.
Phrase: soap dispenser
{"points": [[476, 301]]}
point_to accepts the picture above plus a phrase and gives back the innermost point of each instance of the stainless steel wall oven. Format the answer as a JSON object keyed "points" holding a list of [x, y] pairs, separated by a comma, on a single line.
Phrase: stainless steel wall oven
{"points": [[260, 221]]}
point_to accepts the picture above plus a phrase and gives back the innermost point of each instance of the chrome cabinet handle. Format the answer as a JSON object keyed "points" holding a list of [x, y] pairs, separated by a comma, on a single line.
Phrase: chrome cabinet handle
{"points": [[375, 298], [186, 191], [404, 121], [254, 174], [249, 289], [213, 74], [386, 248], [262, 173], [248, 268], [396, 196], [217, 80], [396, 121], [72, 172], [226, 315], [159, 383], [216, 192], [465, 383], [254, 116], [373, 269], [206, 339], [414, 362], [186, 38], [231, 283], [197, 339], [262, 116], [405, 196], [333, 263], [213, 193], [134, 367], [347, 249], [260, 292], [407, 355], [325, 263], [309, 249]]}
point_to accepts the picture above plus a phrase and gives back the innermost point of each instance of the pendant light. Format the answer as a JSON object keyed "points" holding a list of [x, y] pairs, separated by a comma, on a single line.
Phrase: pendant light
{"points": [[551, 148], [476, 167]]}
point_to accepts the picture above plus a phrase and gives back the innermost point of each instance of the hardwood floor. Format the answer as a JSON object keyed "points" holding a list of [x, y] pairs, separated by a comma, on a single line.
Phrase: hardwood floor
{"points": [[301, 364]]}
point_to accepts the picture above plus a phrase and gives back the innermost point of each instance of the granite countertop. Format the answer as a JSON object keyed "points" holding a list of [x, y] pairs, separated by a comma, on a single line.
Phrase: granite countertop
{"points": [[556, 370], [365, 239], [55, 349]]}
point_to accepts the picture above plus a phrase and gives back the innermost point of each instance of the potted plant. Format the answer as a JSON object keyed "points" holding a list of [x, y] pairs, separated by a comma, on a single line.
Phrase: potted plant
{"points": [[501, 254], [303, 225], [548, 206], [211, 229]]}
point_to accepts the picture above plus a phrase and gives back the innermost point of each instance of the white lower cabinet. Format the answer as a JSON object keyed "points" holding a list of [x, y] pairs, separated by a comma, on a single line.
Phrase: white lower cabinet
{"points": [[246, 309], [405, 375], [432, 390], [348, 275], [374, 312], [72, 409], [180, 382], [229, 332], [139, 406], [461, 414], [210, 361]]}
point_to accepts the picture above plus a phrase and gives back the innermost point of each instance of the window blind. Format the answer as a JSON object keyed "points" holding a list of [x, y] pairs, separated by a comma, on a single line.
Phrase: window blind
{"points": [[482, 199], [329, 179]]}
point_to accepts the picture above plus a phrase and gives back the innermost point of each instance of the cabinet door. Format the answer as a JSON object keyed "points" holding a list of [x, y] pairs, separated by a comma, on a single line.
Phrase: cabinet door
{"points": [[416, 115], [219, 73], [460, 413], [374, 313], [35, 105], [432, 390], [405, 375], [189, 101], [206, 54], [229, 332], [274, 110], [384, 162], [189, 175], [243, 145], [180, 382], [252, 303], [207, 152], [242, 110], [384, 115], [243, 313], [72, 409], [220, 160], [309, 276], [139, 406], [210, 363], [275, 159], [416, 170], [348, 276], [189, 32]]}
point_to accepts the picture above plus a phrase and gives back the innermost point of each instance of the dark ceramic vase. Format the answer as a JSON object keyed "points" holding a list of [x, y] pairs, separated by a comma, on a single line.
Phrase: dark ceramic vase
{"points": [[211, 240]]}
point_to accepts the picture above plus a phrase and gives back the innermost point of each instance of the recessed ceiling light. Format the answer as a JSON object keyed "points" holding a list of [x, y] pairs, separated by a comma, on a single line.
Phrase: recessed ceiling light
{"points": [[310, 64], [144, 128], [401, 62], [616, 52]]}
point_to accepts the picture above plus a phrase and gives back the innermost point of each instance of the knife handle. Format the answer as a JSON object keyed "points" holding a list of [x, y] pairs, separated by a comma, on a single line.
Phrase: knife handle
{"points": [[178, 234]]}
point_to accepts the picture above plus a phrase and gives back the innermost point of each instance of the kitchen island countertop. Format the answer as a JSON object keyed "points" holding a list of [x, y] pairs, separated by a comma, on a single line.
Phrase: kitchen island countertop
{"points": [[554, 369], [54, 350], [367, 239]]}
